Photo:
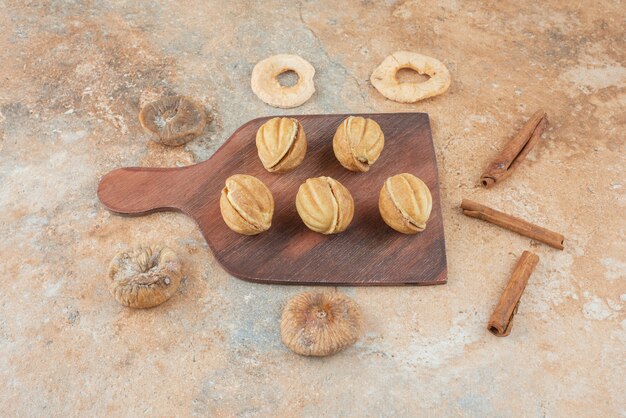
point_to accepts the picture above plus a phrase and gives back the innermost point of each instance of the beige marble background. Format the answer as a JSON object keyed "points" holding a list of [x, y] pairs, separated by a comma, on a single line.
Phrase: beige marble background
{"points": [[72, 79]]}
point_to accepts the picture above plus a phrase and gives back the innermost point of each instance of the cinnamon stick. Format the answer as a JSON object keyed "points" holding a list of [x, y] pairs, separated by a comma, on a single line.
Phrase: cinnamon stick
{"points": [[515, 150], [476, 210], [502, 317]]}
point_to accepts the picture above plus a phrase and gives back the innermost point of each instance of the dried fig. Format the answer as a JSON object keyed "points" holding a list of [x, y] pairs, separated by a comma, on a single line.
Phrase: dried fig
{"points": [[281, 144], [173, 120], [405, 203], [321, 323], [247, 205], [325, 205], [358, 143], [144, 276]]}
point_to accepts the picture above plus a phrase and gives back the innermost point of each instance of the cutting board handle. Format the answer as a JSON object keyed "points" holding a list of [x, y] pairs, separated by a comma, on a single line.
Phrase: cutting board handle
{"points": [[139, 191]]}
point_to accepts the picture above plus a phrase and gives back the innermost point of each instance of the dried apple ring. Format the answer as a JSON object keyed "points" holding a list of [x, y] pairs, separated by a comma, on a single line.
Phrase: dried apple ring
{"points": [[265, 84], [385, 81]]}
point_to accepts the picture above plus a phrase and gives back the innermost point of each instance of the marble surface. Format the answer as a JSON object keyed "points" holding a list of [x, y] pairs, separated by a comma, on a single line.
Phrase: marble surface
{"points": [[73, 77]]}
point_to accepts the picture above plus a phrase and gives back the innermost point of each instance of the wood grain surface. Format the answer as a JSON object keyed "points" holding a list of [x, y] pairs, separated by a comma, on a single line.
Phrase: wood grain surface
{"points": [[368, 253]]}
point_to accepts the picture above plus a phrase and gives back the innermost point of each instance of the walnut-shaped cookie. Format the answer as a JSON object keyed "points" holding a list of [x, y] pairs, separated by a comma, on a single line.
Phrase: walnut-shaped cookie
{"points": [[246, 204], [144, 276], [281, 144], [405, 203], [325, 205], [358, 143], [320, 323]]}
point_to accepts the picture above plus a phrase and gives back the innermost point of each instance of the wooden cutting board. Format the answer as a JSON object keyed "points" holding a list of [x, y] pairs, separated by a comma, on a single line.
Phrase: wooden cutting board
{"points": [[368, 253]]}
